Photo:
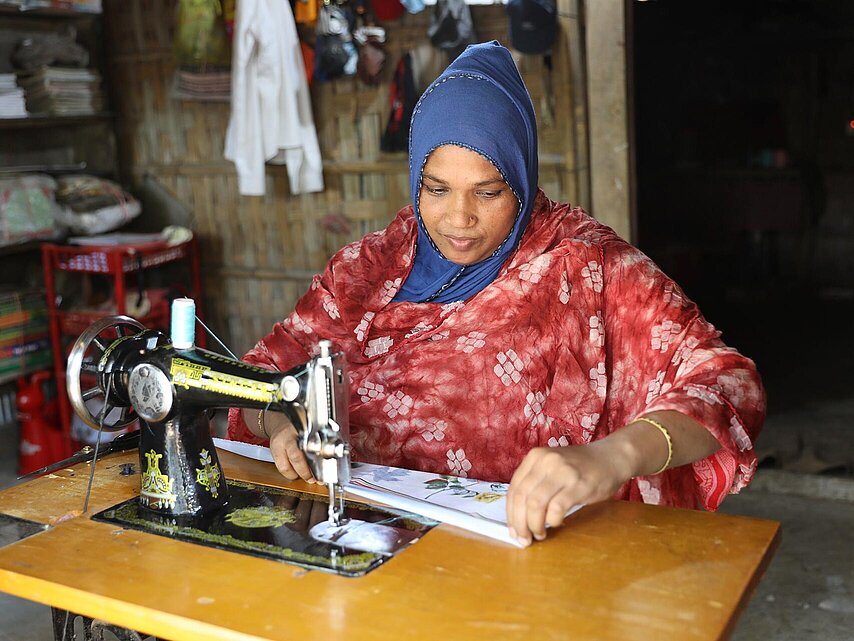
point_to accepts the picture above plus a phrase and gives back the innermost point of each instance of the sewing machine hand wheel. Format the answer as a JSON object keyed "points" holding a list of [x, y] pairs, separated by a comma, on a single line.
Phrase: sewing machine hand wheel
{"points": [[83, 361]]}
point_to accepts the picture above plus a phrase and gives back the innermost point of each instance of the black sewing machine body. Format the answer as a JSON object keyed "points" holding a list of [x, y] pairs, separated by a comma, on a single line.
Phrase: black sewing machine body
{"points": [[142, 375]]}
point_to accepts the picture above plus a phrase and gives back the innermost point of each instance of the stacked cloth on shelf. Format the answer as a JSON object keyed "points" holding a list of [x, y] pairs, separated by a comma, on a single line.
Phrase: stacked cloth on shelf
{"points": [[204, 85], [92, 205], [27, 208], [62, 91], [11, 98], [34, 206], [24, 339]]}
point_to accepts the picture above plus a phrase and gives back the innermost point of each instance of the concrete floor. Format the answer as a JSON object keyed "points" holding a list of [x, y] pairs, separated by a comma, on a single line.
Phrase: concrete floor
{"points": [[808, 590]]}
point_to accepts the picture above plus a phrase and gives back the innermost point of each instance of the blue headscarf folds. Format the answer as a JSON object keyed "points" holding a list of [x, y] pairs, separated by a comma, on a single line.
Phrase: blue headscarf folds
{"points": [[479, 102]]}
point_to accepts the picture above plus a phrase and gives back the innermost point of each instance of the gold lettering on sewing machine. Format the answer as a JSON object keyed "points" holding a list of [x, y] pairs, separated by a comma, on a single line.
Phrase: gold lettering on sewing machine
{"points": [[188, 374], [185, 373], [156, 492]]}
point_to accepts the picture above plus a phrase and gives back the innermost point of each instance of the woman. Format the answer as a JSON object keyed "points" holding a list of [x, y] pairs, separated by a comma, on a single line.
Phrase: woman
{"points": [[494, 334]]}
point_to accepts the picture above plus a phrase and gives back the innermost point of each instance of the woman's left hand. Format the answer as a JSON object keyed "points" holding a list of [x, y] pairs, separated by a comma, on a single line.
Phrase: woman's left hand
{"points": [[551, 480]]}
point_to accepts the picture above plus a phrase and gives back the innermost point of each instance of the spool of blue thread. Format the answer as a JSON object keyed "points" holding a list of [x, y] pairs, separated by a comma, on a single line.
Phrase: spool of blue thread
{"points": [[183, 323]]}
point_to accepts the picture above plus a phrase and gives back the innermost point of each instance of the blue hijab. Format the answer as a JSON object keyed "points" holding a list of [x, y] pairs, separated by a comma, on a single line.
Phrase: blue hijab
{"points": [[479, 102]]}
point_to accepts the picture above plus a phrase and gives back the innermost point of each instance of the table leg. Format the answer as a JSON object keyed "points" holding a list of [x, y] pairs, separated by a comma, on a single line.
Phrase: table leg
{"points": [[64, 623]]}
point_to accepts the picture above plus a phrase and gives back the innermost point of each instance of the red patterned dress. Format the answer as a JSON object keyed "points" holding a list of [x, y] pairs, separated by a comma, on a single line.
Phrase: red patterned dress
{"points": [[579, 334]]}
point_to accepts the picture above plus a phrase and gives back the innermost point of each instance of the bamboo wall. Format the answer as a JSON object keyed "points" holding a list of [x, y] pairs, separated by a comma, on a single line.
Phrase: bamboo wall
{"points": [[259, 253]]}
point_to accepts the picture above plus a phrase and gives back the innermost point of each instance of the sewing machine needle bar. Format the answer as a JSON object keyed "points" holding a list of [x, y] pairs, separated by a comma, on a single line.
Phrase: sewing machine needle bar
{"points": [[333, 519], [336, 504]]}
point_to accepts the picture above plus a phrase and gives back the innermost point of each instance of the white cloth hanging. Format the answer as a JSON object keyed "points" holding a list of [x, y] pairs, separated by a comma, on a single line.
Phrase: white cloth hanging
{"points": [[270, 103]]}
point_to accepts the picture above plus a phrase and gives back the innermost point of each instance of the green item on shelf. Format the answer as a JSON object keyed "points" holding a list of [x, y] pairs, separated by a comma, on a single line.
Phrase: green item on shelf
{"points": [[27, 208], [200, 37]]}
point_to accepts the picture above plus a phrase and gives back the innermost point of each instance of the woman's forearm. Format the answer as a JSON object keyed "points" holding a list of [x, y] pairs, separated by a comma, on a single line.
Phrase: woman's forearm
{"points": [[642, 448], [250, 417], [266, 424]]}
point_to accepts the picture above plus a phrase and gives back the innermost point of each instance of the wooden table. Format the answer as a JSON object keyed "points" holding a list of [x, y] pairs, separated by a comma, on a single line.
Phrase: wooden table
{"points": [[616, 571]]}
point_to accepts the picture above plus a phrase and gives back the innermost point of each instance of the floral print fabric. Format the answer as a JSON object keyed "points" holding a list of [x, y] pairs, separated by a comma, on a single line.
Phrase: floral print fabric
{"points": [[579, 334]]}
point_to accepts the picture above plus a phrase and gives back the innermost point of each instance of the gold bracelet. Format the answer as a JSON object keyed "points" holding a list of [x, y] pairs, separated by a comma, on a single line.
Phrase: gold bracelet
{"points": [[664, 431], [261, 425]]}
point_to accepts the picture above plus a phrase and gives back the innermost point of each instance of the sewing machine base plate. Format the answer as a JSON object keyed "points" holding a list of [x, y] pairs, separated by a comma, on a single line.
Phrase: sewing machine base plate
{"points": [[273, 523]]}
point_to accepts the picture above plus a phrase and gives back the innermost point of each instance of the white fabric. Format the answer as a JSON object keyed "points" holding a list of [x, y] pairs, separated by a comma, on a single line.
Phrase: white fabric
{"points": [[270, 103], [476, 506]]}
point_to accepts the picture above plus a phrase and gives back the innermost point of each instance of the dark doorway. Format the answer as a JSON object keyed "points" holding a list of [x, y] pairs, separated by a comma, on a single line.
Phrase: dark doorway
{"points": [[744, 116], [744, 120]]}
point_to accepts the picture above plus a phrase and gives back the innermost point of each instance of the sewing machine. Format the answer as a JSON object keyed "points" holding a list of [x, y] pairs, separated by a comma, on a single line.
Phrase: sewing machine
{"points": [[170, 386]]}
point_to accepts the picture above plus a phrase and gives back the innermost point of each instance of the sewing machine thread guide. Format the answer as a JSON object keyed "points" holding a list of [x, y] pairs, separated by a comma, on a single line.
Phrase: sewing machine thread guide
{"points": [[103, 416]]}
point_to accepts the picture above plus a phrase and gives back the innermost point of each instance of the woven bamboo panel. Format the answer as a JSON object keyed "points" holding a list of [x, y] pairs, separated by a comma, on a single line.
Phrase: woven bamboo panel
{"points": [[259, 253]]}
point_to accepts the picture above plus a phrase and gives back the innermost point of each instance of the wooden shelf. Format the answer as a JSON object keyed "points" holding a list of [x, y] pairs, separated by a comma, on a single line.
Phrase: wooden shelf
{"points": [[20, 248], [44, 12], [34, 122]]}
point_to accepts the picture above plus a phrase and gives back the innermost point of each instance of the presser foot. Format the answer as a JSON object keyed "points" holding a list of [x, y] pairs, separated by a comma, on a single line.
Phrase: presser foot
{"points": [[362, 536], [355, 534]]}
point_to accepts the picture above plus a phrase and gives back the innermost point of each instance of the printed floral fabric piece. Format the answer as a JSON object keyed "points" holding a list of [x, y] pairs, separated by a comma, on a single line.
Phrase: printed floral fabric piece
{"points": [[479, 499], [596, 336]]}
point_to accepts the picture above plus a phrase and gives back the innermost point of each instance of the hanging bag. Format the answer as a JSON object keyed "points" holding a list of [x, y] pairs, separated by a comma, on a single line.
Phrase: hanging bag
{"points": [[402, 97], [451, 28], [335, 54], [371, 41]]}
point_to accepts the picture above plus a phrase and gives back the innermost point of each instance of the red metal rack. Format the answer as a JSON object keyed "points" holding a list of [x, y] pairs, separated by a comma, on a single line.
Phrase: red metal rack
{"points": [[118, 262]]}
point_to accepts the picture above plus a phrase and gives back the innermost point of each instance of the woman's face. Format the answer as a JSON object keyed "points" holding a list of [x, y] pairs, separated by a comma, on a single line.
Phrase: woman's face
{"points": [[465, 204]]}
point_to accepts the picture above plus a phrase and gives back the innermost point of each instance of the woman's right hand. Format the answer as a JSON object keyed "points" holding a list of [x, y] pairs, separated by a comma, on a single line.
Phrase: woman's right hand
{"points": [[289, 458]]}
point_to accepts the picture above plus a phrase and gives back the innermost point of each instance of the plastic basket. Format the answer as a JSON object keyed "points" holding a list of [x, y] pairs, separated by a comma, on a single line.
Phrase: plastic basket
{"points": [[97, 260]]}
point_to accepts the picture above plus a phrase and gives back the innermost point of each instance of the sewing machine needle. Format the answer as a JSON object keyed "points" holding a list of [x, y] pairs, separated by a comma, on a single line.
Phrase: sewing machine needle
{"points": [[334, 517]]}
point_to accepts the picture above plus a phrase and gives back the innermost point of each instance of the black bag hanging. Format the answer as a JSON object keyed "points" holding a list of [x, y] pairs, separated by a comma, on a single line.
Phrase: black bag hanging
{"points": [[402, 96], [335, 54], [451, 28]]}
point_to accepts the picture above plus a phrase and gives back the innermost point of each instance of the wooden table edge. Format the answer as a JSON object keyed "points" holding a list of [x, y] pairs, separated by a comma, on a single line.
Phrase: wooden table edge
{"points": [[139, 618], [755, 578]]}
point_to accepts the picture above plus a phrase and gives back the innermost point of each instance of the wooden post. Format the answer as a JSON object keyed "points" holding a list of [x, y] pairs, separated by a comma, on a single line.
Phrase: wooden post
{"points": [[608, 26], [577, 147]]}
